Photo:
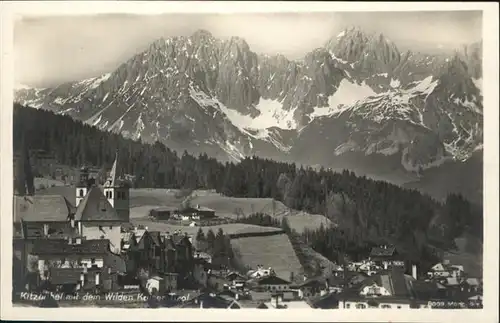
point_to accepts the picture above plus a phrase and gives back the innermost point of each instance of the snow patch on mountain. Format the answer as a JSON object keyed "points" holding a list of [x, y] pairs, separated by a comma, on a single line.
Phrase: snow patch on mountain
{"points": [[94, 82], [347, 93], [426, 86]]}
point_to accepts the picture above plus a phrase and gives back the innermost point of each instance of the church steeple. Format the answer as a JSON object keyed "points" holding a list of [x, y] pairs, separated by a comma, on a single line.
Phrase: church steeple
{"points": [[116, 192], [111, 181]]}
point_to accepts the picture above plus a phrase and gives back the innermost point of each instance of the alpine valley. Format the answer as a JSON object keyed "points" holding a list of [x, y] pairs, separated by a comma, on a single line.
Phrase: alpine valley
{"points": [[414, 119]]}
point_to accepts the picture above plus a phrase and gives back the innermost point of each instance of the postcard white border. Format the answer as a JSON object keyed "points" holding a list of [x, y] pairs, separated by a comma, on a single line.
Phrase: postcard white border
{"points": [[12, 10]]}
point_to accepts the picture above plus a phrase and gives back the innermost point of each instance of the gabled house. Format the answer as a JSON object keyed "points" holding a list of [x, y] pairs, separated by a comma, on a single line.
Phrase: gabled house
{"points": [[260, 272], [158, 250], [445, 270], [43, 216], [184, 262], [129, 250], [471, 285], [386, 257], [90, 258], [273, 283], [237, 280], [388, 290], [310, 287]]}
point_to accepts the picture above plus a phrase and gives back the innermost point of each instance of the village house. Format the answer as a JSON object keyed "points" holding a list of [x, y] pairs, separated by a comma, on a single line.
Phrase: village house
{"points": [[184, 263], [386, 257], [387, 290], [163, 213], [445, 270], [310, 287], [162, 284], [148, 253], [194, 213], [273, 283], [260, 272], [45, 216], [237, 281], [129, 251], [278, 301], [38, 217], [91, 261]]}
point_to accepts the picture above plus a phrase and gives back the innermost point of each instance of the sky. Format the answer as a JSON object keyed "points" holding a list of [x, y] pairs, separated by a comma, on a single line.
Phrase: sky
{"points": [[56, 49]]}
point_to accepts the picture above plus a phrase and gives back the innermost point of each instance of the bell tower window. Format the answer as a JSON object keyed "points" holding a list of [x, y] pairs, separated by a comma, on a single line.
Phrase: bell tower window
{"points": [[80, 193]]}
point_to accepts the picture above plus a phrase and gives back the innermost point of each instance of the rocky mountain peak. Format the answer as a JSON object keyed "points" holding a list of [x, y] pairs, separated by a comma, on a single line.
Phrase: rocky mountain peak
{"points": [[208, 94]]}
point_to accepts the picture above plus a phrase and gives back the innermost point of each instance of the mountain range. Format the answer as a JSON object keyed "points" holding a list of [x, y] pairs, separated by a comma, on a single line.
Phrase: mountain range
{"points": [[358, 102]]}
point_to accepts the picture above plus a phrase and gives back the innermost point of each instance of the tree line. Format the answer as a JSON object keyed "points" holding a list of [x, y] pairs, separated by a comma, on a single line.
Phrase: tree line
{"points": [[365, 209]]}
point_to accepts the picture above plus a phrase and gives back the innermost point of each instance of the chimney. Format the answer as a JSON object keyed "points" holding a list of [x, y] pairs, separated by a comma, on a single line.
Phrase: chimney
{"points": [[414, 271]]}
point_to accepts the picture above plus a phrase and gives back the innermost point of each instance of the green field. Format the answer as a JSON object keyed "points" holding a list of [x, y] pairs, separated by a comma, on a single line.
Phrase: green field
{"points": [[144, 199], [273, 251], [472, 261]]}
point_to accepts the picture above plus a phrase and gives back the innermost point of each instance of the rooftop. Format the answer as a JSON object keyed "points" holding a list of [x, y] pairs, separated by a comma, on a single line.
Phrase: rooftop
{"points": [[62, 247], [383, 251], [95, 207], [42, 208]]}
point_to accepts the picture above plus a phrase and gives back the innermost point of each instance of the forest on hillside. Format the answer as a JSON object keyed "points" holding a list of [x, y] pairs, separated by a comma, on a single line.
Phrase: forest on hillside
{"points": [[366, 210]]}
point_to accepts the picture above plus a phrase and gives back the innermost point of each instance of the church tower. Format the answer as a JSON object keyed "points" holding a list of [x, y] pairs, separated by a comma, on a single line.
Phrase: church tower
{"points": [[116, 191], [82, 185]]}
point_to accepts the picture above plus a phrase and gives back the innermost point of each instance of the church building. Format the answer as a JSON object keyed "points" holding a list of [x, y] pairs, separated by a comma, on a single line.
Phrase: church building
{"points": [[101, 212]]}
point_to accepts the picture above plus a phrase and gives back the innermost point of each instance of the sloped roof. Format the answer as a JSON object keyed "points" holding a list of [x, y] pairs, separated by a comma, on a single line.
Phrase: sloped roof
{"points": [[95, 207], [139, 234], [272, 280], [41, 208], [62, 247], [315, 281], [395, 282], [383, 252], [472, 281], [327, 301]]}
